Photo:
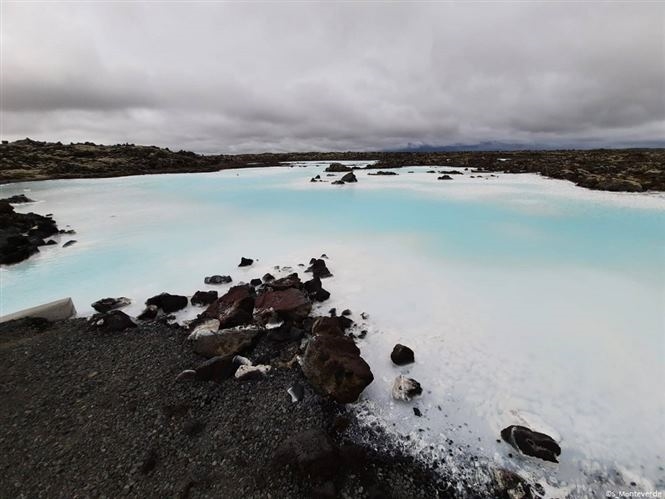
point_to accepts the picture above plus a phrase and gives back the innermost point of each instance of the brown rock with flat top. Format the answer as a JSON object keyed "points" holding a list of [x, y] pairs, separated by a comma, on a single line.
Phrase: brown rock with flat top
{"points": [[289, 304]]}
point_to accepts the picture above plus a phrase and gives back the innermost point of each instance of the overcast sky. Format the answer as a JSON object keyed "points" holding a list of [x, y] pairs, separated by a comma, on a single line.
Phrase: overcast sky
{"points": [[239, 77]]}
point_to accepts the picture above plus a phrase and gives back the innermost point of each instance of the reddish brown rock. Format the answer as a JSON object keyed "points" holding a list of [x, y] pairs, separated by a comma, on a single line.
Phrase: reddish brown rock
{"points": [[233, 308], [334, 367], [289, 304]]}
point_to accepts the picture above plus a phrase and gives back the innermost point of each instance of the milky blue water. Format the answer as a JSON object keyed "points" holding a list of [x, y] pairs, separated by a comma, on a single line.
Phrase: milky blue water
{"points": [[527, 300]]}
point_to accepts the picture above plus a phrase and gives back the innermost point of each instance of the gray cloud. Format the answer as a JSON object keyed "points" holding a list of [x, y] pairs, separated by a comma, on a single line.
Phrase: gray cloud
{"points": [[231, 77]]}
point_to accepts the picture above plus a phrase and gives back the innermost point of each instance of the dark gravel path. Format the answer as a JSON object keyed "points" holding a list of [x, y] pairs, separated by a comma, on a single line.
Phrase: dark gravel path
{"points": [[91, 414]]}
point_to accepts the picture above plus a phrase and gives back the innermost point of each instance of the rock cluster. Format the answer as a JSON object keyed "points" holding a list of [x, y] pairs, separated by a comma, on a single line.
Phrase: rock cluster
{"points": [[21, 234]]}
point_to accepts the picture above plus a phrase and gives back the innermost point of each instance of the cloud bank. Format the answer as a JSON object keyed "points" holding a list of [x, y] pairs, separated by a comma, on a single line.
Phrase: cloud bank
{"points": [[232, 77]]}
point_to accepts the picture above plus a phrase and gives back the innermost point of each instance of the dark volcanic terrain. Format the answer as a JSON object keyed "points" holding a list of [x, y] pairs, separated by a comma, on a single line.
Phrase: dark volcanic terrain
{"points": [[633, 170]]}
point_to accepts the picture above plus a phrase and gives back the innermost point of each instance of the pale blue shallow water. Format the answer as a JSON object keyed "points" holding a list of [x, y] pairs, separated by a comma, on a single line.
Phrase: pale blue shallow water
{"points": [[526, 299]]}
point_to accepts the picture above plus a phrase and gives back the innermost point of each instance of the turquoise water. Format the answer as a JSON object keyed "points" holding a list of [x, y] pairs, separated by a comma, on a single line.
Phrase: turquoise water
{"points": [[525, 299]]}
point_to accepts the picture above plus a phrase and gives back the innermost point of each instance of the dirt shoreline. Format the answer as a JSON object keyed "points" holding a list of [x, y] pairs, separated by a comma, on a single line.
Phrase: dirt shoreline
{"points": [[631, 170]]}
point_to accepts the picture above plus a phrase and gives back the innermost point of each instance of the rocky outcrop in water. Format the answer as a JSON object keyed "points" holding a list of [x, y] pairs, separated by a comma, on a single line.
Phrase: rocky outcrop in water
{"points": [[337, 168], [402, 355], [167, 302], [22, 234]]}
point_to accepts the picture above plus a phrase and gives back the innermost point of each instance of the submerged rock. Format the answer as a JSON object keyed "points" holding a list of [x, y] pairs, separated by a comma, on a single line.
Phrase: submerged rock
{"points": [[108, 304], [402, 355], [445, 177], [217, 279], [382, 172], [168, 303], [405, 388], [334, 367], [245, 262], [69, 243], [532, 443]]}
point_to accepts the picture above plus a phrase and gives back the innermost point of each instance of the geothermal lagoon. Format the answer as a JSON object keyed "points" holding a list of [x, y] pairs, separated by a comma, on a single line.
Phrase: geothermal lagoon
{"points": [[526, 300]]}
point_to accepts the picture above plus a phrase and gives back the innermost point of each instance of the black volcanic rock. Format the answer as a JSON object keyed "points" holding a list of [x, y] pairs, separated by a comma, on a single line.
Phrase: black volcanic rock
{"points": [[402, 355], [337, 168], [245, 262], [532, 443]]}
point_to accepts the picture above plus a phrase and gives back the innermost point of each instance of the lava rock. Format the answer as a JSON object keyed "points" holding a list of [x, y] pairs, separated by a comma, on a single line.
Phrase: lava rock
{"points": [[216, 369], [202, 298], [226, 342], [289, 304], [112, 322], [233, 308], [334, 367], [149, 313], [17, 199], [444, 177], [327, 326], [217, 279], [108, 304], [349, 178], [69, 243], [318, 268], [315, 290], [290, 281], [532, 443], [245, 262], [405, 388], [255, 282], [268, 277], [168, 303], [337, 168], [402, 355], [382, 172]]}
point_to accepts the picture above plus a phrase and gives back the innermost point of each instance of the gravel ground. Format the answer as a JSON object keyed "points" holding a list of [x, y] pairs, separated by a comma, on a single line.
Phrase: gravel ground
{"points": [[92, 414]]}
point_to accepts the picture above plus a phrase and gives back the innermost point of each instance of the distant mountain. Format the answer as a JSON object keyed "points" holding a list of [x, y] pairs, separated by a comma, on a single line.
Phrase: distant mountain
{"points": [[511, 146]]}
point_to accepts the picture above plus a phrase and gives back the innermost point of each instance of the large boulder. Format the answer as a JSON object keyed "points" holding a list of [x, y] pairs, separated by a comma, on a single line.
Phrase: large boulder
{"points": [[334, 367], [167, 302], [311, 453], [227, 342], [532, 443], [402, 355], [108, 304], [289, 304], [337, 168], [233, 308]]}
